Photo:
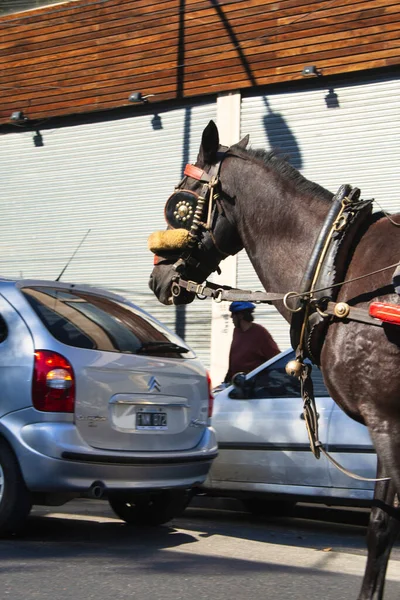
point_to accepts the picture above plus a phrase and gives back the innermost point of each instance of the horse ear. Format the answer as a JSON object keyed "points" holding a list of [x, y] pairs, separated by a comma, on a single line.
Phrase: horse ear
{"points": [[243, 143], [209, 144]]}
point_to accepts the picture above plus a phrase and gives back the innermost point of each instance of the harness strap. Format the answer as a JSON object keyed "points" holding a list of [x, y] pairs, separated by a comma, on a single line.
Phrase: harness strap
{"points": [[341, 310], [196, 173], [218, 293]]}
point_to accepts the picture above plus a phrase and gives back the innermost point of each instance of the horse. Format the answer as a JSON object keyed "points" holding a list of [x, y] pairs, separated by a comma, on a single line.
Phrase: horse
{"points": [[254, 199]]}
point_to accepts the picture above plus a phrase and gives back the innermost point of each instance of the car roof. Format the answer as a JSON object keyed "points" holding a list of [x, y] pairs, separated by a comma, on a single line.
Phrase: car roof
{"points": [[61, 285], [17, 283]]}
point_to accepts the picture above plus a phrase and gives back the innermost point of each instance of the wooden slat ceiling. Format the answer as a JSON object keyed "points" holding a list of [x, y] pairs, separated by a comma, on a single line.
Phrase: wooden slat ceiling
{"points": [[90, 55]]}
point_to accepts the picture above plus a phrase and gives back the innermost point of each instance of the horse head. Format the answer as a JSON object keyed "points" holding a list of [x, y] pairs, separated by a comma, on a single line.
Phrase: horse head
{"points": [[200, 230]]}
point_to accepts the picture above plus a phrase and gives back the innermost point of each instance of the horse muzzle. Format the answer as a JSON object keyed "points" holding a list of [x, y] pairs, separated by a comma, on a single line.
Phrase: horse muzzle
{"points": [[161, 280]]}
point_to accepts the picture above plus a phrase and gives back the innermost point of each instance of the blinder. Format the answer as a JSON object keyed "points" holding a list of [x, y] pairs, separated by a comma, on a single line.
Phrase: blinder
{"points": [[180, 209]]}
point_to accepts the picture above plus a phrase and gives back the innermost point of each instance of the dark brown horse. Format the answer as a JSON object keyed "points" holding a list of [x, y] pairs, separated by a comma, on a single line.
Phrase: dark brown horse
{"points": [[265, 205]]}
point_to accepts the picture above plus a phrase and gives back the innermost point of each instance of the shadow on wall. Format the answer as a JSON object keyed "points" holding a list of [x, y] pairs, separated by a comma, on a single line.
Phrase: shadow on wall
{"points": [[332, 99], [180, 310], [38, 139], [280, 136]]}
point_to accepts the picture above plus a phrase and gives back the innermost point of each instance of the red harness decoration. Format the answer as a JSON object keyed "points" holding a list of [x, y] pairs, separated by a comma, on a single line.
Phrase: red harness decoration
{"points": [[390, 313], [194, 172]]}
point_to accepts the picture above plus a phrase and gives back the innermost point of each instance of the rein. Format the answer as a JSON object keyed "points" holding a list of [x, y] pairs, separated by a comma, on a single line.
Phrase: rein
{"points": [[228, 293]]}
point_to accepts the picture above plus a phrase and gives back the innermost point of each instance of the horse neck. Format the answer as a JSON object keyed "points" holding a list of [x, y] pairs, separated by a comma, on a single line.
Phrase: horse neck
{"points": [[278, 226]]}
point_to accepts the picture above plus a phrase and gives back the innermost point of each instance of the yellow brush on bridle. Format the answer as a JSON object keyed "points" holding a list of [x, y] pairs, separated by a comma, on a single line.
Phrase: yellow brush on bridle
{"points": [[168, 240]]}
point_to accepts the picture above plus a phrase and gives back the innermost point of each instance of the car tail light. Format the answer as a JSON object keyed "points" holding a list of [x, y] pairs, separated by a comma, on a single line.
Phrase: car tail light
{"points": [[210, 396], [53, 386]]}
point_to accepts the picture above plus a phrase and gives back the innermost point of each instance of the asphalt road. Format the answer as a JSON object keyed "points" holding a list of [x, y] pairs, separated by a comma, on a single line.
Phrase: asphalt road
{"points": [[80, 551]]}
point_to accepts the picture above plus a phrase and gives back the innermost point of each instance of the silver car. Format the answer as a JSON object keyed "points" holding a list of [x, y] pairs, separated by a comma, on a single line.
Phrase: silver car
{"points": [[96, 398], [264, 455]]}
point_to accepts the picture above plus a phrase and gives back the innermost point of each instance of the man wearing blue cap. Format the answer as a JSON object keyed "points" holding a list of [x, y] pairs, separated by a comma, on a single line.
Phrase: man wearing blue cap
{"points": [[251, 344]]}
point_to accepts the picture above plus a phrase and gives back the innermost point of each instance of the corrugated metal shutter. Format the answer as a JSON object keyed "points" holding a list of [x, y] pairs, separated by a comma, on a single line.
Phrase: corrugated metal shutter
{"points": [[342, 133], [15, 6], [113, 178]]}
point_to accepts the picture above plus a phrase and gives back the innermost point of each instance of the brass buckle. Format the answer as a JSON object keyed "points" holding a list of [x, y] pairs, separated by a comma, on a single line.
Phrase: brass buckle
{"points": [[194, 287]]}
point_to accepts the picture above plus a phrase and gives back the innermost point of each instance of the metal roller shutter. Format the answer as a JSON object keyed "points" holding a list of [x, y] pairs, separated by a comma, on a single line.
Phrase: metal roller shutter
{"points": [[113, 178], [341, 132]]}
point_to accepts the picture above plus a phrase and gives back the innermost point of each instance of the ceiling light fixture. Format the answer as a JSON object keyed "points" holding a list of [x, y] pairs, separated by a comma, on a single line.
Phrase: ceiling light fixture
{"points": [[311, 71], [18, 117], [138, 98]]}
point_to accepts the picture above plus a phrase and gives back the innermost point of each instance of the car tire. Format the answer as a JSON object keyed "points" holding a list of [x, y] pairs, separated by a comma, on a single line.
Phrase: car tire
{"points": [[15, 498], [149, 509], [266, 508]]}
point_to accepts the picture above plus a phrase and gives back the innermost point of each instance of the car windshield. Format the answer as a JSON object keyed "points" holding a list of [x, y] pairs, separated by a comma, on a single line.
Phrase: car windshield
{"points": [[91, 321]]}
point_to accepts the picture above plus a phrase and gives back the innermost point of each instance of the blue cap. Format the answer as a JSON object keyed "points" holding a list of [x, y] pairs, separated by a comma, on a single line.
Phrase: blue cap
{"points": [[239, 306]]}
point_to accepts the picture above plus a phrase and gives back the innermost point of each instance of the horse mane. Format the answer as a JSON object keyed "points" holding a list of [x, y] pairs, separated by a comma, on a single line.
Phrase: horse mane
{"points": [[280, 164]]}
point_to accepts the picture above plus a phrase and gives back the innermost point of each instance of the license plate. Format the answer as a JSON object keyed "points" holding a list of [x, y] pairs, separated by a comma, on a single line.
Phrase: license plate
{"points": [[151, 420]]}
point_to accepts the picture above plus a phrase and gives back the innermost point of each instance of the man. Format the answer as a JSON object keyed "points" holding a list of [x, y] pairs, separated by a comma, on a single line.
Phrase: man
{"points": [[251, 344]]}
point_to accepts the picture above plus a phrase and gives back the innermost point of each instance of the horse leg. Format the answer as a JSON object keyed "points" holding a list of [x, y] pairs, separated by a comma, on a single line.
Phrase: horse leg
{"points": [[383, 529]]}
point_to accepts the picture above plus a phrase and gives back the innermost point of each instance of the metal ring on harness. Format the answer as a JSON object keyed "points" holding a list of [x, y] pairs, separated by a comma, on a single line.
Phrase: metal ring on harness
{"points": [[340, 223], [175, 289], [285, 299], [321, 312], [218, 295]]}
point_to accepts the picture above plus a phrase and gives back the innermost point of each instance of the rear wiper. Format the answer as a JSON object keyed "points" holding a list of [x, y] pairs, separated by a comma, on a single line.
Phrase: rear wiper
{"points": [[160, 347]]}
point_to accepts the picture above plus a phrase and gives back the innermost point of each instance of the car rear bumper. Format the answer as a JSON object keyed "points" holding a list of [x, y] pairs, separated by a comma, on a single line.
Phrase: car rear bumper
{"points": [[54, 457], [71, 476]]}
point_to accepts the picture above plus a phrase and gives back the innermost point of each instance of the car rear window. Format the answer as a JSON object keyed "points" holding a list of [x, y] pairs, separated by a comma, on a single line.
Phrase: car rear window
{"points": [[95, 322]]}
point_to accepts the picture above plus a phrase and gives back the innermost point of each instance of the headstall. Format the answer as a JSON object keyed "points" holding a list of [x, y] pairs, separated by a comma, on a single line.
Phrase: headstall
{"points": [[189, 215]]}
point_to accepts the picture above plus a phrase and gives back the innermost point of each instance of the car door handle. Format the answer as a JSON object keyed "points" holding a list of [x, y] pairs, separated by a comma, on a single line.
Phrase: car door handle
{"points": [[303, 417]]}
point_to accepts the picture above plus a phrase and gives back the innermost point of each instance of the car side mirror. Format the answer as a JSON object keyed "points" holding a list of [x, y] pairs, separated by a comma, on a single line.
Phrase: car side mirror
{"points": [[239, 380], [239, 385]]}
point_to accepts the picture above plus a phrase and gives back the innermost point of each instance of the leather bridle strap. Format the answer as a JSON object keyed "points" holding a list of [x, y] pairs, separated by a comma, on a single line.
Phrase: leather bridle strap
{"points": [[220, 293], [196, 173]]}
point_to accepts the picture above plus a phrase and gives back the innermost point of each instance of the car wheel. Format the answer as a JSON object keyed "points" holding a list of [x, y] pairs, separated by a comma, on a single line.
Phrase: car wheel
{"points": [[15, 499], [154, 508], [266, 508]]}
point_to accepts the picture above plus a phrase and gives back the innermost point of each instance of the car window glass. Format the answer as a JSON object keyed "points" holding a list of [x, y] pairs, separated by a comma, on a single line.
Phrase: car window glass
{"points": [[274, 382], [318, 382], [91, 321]]}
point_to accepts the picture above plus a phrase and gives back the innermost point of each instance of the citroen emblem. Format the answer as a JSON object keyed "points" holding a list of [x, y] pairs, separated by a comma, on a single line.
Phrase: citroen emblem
{"points": [[153, 385]]}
